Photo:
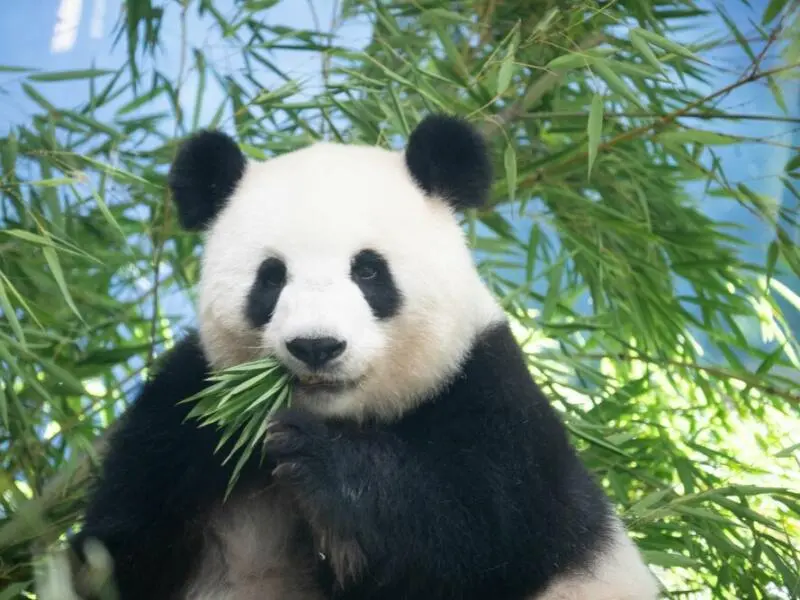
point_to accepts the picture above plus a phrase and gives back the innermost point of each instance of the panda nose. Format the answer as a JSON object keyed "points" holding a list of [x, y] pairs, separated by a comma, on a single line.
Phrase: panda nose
{"points": [[316, 352]]}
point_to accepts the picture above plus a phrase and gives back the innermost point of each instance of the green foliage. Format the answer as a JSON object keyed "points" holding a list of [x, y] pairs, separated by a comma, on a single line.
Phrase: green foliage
{"points": [[679, 380], [239, 402]]}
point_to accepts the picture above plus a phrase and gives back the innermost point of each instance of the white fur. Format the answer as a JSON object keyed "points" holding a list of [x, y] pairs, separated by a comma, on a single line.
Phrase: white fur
{"points": [[254, 550], [316, 208], [619, 573], [263, 562]]}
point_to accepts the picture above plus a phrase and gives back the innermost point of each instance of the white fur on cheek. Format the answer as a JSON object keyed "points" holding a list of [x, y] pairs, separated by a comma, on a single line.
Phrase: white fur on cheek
{"points": [[619, 573], [229, 266]]}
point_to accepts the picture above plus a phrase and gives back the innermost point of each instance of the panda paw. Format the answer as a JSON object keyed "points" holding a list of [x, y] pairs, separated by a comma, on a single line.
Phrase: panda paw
{"points": [[305, 450], [298, 444], [83, 571]]}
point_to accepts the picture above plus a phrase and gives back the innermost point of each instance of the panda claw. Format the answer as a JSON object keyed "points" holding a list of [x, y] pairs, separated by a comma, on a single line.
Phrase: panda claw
{"points": [[280, 443], [287, 471], [292, 433]]}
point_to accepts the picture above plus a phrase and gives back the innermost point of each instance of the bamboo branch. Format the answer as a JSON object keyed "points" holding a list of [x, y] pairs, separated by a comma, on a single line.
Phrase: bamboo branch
{"points": [[666, 119], [534, 93]]}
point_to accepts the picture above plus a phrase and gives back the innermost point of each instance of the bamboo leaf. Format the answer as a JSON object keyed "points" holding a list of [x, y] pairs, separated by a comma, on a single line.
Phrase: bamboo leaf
{"points": [[698, 136], [505, 73], [644, 49], [55, 268], [10, 313], [615, 82], [553, 290], [770, 361], [669, 559], [741, 39], [69, 75], [510, 163], [594, 129], [14, 69], [663, 43], [570, 61], [772, 259], [774, 8], [38, 98], [794, 163]]}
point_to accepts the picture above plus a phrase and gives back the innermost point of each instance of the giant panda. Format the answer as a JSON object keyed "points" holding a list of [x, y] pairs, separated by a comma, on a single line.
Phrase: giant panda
{"points": [[418, 459]]}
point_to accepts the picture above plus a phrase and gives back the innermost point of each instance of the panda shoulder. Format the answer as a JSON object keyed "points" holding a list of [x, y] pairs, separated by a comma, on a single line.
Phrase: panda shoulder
{"points": [[180, 372]]}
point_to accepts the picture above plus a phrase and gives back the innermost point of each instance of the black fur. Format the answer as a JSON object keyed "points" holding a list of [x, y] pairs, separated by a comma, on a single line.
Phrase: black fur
{"points": [[159, 478], [371, 272], [447, 157], [203, 176], [263, 296], [476, 494]]}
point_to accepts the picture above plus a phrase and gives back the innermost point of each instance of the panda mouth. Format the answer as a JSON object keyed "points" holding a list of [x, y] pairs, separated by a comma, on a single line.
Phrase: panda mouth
{"points": [[316, 383]]}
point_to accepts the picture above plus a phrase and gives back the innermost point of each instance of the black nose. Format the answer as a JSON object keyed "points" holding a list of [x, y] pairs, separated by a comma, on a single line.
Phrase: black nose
{"points": [[316, 352]]}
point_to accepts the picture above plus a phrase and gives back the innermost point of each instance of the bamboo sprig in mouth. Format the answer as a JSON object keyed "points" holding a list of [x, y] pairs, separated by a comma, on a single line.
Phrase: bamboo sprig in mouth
{"points": [[239, 402]]}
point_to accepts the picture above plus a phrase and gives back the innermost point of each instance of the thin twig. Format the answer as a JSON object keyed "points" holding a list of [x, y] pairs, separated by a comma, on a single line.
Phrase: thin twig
{"points": [[648, 115], [755, 67], [773, 36]]}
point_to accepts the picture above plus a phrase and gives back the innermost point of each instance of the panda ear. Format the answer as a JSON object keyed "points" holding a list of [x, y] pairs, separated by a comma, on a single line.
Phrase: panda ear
{"points": [[447, 157], [204, 174]]}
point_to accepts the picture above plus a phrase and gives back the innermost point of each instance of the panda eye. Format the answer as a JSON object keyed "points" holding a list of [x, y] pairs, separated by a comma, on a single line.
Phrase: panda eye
{"points": [[272, 272], [367, 265], [366, 272]]}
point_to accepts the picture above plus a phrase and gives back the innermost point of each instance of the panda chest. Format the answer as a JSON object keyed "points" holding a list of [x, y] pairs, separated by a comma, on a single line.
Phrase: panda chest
{"points": [[255, 546]]}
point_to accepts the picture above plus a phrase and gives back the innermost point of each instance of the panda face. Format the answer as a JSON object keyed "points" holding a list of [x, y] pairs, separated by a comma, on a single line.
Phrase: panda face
{"points": [[337, 261]]}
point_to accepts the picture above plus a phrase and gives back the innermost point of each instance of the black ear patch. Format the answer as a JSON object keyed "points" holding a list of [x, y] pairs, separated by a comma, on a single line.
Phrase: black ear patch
{"points": [[203, 176], [447, 157]]}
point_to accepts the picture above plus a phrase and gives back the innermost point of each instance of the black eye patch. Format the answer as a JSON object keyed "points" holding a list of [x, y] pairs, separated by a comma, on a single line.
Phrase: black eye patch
{"points": [[265, 291], [370, 272]]}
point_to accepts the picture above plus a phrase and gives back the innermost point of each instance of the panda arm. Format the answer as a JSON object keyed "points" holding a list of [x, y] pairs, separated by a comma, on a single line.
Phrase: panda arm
{"points": [[158, 476], [415, 514]]}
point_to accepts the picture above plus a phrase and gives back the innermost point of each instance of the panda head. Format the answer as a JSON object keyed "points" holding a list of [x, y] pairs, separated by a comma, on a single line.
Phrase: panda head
{"points": [[346, 263]]}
